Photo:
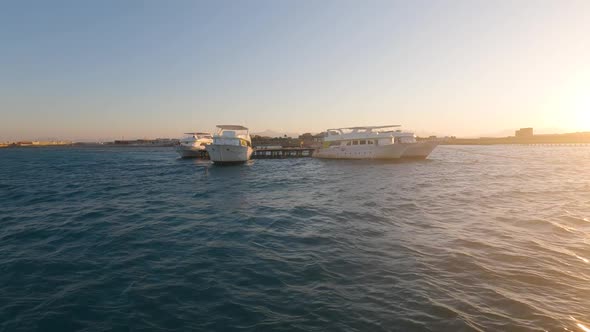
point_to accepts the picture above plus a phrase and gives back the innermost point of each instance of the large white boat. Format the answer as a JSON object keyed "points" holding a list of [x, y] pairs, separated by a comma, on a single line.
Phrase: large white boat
{"points": [[231, 144], [373, 142], [194, 144]]}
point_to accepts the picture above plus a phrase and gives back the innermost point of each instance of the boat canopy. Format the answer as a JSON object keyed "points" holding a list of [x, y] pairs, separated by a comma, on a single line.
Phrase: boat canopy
{"points": [[367, 132], [231, 127]]}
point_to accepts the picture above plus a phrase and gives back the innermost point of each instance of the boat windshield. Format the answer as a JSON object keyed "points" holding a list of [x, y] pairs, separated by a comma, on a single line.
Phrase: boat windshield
{"points": [[230, 131], [198, 136]]}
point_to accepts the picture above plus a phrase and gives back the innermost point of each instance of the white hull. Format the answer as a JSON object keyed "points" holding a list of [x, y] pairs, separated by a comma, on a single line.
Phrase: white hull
{"points": [[419, 150], [229, 153], [390, 151], [190, 151]]}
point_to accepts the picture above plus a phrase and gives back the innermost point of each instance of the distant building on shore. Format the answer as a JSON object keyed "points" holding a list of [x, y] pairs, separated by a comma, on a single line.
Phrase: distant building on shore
{"points": [[38, 143], [524, 132], [148, 142], [526, 136], [306, 140], [266, 142], [309, 140], [51, 143]]}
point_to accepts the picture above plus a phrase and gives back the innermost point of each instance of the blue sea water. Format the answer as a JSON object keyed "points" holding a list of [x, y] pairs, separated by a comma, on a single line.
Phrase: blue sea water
{"points": [[135, 239]]}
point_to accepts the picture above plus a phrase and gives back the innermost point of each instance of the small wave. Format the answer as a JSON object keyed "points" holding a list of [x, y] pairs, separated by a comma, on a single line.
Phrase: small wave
{"points": [[137, 237]]}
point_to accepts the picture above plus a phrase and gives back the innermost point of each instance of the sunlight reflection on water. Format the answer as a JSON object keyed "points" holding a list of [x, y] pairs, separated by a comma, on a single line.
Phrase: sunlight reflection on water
{"points": [[469, 240]]}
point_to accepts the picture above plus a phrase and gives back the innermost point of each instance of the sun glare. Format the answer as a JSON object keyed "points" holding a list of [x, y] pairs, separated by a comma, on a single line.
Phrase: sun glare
{"points": [[581, 112], [583, 119]]}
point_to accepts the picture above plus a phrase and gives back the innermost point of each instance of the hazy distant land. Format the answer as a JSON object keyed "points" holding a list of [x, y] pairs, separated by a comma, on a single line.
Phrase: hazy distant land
{"points": [[307, 140], [570, 138]]}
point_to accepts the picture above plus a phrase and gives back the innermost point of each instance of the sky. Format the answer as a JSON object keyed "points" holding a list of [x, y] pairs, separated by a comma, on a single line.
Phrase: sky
{"points": [[100, 70]]}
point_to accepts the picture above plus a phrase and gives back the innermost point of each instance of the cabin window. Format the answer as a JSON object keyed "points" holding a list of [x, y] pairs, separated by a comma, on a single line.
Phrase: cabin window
{"points": [[363, 142], [370, 142], [355, 142], [348, 142]]}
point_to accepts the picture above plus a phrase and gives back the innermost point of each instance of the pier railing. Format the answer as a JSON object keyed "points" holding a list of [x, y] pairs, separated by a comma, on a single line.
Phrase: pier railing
{"points": [[282, 153]]}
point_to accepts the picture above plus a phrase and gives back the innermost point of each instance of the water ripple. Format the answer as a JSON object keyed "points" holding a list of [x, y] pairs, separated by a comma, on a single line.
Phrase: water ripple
{"points": [[475, 239]]}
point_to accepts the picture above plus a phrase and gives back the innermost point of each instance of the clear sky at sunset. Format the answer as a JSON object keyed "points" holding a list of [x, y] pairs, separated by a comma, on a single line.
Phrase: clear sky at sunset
{"points": [[107, 69]]}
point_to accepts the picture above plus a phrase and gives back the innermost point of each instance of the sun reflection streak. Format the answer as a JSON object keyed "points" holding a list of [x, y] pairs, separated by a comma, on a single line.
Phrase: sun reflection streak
{"points": [[580, 325], [582, 259]]}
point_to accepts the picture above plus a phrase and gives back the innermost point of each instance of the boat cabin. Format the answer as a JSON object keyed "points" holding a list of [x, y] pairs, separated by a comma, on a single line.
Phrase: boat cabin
{"points": [[374, 135], [232, 135]]}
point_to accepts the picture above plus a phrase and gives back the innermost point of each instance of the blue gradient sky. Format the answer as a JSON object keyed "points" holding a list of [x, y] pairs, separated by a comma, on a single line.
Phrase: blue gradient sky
{"points": [[108, 69]]}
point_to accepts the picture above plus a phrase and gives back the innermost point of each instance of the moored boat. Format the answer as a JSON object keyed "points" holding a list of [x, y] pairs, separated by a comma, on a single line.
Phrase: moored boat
{"points": [[194, 145], [373, 142], [231, 144]]}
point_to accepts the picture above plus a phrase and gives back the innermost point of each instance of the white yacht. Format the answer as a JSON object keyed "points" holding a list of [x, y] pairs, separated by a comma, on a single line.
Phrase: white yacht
{"points": [[372, 142], [231, 144], [193, 145]]}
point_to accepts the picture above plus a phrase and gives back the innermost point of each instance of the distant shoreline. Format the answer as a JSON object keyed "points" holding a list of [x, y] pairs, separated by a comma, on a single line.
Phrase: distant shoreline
{"points": [[571, 138], [474, 142], [74, 145], [532, 140]]}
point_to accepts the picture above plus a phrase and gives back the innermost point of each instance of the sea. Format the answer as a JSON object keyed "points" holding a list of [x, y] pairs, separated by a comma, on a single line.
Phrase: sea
{"points": [[476, 238]]}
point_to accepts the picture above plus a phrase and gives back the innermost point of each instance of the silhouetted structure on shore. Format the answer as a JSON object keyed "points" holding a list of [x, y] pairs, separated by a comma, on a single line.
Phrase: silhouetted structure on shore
{"points": [[148, 142], [308, 140], [525, 136], [524, 132], [265, 141]]}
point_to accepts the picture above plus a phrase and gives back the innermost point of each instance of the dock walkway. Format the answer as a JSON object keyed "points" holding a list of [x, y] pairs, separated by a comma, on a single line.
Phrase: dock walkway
{"points": [[282, 153], [272, 153]]}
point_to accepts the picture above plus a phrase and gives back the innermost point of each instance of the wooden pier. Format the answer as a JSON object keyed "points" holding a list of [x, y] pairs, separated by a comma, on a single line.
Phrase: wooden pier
{"points": [[282, 153], [271, 153]]}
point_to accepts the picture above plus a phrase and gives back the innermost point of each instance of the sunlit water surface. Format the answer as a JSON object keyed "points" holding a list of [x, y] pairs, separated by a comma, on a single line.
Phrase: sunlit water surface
{"points": [[135, 239]]}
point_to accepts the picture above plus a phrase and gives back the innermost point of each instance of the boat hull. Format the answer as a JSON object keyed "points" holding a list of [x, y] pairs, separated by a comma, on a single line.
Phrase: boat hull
{"points": [[191, 151], [229, 153], [419, 150], [383, 152]]}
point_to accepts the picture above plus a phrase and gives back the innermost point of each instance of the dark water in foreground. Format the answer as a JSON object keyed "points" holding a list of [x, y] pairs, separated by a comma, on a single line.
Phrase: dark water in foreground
{"points": [[477, 238]]}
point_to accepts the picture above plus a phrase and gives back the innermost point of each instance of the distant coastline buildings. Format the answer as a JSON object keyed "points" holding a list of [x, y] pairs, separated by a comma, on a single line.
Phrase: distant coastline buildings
{"points": [[306, 140], [147, 142], [525, 136], [309, 140], [524, 132], [138, 142], [34, 143]]}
